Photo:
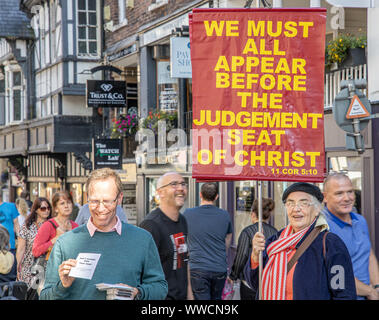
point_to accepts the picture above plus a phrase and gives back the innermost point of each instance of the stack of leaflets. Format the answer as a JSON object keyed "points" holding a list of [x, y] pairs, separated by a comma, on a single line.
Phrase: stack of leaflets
{"points": [[116, 291]]}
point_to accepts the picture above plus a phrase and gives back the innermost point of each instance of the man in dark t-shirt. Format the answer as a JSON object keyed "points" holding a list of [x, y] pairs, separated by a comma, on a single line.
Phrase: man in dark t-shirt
{"points": [[209, 237], [169, 230]]}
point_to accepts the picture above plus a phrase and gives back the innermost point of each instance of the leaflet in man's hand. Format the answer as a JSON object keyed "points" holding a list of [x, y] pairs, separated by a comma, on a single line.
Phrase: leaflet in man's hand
{"points": [[85, 265]]}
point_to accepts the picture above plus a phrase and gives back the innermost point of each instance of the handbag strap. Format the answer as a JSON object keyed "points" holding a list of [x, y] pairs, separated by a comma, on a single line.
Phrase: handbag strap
{"points": [[52, 224], [304, 246]]}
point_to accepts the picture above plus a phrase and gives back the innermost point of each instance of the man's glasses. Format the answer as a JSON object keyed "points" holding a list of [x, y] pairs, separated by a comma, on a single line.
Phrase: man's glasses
{"points": [[106, 203], [302, 204], [175, 185], [43, 209]]}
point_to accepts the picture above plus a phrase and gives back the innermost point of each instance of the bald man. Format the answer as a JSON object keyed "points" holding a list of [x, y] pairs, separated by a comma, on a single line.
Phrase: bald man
{"points": [[339, 197], [169, 229]]}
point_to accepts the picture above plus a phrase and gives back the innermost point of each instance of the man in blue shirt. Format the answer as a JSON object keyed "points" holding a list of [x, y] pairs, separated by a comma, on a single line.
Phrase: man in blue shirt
{"points": [[209, 236], [8, 218], [351, 227]]}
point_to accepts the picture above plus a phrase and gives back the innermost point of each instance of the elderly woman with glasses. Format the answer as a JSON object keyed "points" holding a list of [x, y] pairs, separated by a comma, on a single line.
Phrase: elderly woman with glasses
{"points": [[303, 261], [39, 213]]}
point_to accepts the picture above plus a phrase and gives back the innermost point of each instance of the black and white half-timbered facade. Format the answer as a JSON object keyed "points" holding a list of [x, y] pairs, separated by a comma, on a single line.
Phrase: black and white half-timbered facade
{"points": [[46, 56]]}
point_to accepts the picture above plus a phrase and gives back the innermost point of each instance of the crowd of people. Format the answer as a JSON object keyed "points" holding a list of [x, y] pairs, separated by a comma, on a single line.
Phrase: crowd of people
{"points": [[323, 253]]}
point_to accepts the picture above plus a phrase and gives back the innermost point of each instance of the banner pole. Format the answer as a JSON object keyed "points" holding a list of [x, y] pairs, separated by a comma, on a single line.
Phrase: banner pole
{"points": [[260, 212]]}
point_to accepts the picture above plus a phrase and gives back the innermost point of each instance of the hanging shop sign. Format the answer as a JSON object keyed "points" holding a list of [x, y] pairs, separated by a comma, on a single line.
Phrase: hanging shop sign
{"points": [[107, 153], [106, 93], [180, 57], [258, 94]]}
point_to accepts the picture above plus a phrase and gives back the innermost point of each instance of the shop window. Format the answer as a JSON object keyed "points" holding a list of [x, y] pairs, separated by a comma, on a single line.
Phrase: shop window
{"points": [[279, 218], [132, 98], [129, 203], [168, 88], [76, 190], [245, 192], [244, 197], [43, 189]]}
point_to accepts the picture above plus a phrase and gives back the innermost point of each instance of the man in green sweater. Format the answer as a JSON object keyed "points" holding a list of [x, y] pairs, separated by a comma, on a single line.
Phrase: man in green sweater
{"points": [[128, 254]]}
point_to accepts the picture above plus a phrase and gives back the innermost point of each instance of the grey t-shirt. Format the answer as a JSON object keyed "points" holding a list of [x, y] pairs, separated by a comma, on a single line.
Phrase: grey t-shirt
{"points": [[207, 228]]}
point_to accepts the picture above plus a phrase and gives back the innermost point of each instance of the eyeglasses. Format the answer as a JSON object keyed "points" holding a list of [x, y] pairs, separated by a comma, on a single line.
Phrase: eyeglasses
{"points": [[302, 204], [43, 209], [175, 185], [106, 203]]}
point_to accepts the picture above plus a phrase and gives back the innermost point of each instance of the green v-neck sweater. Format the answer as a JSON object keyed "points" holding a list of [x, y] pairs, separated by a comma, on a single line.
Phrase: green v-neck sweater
{"points": [[130, 258]]}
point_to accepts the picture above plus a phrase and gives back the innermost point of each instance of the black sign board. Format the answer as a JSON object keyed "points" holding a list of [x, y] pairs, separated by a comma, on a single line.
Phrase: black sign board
{"points": [[123, 53], [106, 93], [107, 153]]}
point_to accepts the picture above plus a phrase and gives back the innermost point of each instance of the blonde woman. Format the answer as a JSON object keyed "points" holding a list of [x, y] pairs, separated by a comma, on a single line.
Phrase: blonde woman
{"points": [[7, 260], [23, 210]]}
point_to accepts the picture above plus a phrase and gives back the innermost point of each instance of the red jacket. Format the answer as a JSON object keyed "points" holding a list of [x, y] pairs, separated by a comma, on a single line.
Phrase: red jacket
{"points": [[42, 242]]}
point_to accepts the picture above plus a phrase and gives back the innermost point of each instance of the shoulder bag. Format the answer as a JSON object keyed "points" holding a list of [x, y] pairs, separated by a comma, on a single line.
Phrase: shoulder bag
{"points": [[41, 261], [304, 246]]}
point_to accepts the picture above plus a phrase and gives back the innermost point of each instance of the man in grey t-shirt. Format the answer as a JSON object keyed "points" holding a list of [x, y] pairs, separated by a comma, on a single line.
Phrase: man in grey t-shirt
{"points": [[209, 237]]}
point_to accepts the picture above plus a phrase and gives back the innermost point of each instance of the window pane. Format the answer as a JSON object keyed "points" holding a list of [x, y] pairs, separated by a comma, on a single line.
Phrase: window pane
{"points": [[168, 88], [244, 198], [92, 33], [121, 10], [17, 78], [93, 48], [82, 47], [82, 18], [92, 18], [92, 5], [2, 86], [82, 4], [16, 105], [82, 33]]}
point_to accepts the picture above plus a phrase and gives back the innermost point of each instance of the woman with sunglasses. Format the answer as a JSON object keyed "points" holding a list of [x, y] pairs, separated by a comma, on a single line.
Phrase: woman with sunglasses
{"points": [[40, 212], [62, 203]]}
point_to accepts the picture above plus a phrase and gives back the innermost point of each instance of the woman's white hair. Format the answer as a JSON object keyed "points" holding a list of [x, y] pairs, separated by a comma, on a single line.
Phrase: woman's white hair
{"points": [[316, 203]]}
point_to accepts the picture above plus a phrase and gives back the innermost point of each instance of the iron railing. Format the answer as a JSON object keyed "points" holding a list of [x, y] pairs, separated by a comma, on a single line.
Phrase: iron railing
{"points": [[333, 81]]}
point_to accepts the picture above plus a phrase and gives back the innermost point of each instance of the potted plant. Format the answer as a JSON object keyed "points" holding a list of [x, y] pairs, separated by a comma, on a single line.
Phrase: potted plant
{"points": [[151, 121], [124, 125], [346, 50]]}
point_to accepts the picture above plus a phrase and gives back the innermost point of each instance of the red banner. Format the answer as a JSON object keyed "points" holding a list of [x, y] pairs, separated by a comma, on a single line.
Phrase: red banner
{"points": [[258, 94]]}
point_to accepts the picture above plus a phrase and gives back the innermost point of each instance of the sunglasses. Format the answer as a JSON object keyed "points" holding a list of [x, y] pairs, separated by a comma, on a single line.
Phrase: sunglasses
{"points": [[43, 209]]}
